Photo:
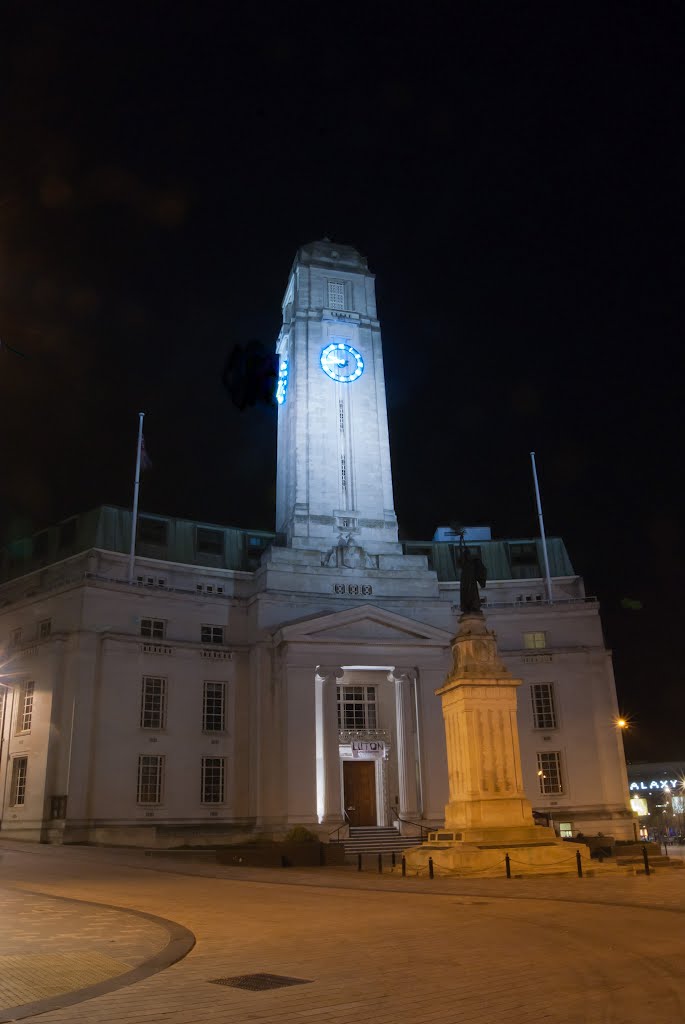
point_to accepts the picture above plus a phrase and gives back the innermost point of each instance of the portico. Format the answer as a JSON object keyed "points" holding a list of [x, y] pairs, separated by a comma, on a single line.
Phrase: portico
{"points": [[363, 681]]}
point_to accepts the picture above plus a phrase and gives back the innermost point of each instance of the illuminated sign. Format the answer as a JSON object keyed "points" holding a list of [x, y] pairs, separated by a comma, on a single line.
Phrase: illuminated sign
{"points": [[367, 747], [655, 784], [639, 806]]}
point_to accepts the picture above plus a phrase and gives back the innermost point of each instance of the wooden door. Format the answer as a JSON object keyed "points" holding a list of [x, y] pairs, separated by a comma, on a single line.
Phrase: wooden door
{"points": [[359, 778]]}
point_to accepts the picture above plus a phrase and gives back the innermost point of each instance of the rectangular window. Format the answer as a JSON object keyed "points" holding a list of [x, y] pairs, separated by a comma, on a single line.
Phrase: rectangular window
{"points": [[150, 778], [523, 559], [357, 707], [15, 637], [209, 542], [549, 772], [25, 709], [153, 703], [18, 784], [44, 629], [336, 295], [544, 714], [212, 780], [154, 629], [534, 641], [212, 634], [152, 531], [566, 829], [214, 707]]}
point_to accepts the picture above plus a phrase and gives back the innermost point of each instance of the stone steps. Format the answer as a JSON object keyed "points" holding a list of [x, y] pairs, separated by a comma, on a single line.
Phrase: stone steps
{"points": [[375, 839]]}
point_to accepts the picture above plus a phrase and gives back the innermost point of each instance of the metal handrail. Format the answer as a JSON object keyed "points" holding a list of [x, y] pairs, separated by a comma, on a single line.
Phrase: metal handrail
{"points": [[417, 824], [335, 831]]}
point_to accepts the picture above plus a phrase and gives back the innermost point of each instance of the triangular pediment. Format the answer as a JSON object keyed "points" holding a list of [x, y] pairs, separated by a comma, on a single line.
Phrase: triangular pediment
{"points": [[365, 624]]}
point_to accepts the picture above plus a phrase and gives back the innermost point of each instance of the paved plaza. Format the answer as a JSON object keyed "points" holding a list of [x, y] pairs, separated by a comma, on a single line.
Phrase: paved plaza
{"points": [[95, 935]]}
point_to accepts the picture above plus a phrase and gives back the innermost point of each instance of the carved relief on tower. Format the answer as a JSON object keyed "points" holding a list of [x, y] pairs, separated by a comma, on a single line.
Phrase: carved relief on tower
{"points": [[349, 555]]}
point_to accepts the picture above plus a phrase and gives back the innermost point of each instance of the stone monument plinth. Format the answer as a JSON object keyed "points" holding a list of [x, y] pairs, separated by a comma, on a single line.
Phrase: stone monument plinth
{"points": [[488, 814]]}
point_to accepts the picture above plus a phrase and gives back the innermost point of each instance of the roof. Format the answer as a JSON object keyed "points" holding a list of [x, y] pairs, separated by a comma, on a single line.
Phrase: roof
{"points": [[229, 547]]}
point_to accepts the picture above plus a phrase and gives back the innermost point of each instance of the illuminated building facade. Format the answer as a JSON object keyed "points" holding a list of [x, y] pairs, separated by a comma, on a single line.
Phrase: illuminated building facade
{"points": [[249, 681], [657, 797]]}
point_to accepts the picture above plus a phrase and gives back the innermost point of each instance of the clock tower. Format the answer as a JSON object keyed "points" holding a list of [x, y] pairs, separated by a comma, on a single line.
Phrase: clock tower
{"points": [[334, 483]]}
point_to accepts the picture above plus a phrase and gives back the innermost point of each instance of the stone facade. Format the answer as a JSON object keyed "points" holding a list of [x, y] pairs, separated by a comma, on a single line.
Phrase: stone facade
{"points": [[247, 682]]}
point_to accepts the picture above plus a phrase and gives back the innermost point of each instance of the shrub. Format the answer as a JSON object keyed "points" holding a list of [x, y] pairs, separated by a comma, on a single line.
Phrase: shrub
{"points": [[300, 834]]}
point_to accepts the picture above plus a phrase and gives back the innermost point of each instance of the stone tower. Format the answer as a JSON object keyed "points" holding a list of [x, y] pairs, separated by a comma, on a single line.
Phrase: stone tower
{"points": [[334, 483]]}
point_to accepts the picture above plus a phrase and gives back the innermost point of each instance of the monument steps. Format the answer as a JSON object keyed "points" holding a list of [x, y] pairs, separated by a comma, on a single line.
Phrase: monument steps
{"points": [[377, 839]]}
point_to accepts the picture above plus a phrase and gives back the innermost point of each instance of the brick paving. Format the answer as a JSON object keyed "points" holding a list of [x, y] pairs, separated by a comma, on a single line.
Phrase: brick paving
{"points": [[604, 950]]}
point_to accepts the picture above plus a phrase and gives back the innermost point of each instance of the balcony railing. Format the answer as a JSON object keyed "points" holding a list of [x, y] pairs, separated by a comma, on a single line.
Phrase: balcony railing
{"points": [[348, 735]]}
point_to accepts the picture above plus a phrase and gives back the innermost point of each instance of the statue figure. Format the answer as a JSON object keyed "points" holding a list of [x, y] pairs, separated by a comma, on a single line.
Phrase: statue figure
{"points": [[473, 573]]}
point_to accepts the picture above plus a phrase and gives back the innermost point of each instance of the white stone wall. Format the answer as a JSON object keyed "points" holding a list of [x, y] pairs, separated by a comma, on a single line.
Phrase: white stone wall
{"points": [[89, 672]]}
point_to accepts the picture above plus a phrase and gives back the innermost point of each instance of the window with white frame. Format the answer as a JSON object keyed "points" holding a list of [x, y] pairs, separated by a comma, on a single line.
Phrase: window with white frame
{"points": [[150, 778], [566, 829], [336, 295], [357, 707], [544, 712], [25, 709], [15, 637], [153, 629], [213, 780], [44, 629], [153, 703], [214, 706], [212, 634], [535, 640], [549, 772], [18, 783]]}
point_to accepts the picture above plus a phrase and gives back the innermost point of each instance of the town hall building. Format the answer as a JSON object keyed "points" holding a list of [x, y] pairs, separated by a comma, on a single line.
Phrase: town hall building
{"points": [[244, 682]]}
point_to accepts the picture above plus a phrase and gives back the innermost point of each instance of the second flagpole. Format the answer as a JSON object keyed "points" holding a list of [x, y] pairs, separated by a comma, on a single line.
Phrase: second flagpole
{"points": [[548, 578], [136, 488]]}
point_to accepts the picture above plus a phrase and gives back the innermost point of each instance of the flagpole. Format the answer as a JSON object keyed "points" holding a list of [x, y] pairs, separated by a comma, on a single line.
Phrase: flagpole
{"points": [[548, 577], [136, 488]]}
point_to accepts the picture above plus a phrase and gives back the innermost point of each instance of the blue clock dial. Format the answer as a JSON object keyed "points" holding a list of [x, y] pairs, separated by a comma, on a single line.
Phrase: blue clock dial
{"points": [[341, 362]]}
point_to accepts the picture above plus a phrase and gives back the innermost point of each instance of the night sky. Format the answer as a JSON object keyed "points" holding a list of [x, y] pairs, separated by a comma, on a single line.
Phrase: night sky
{"points": [[514, 174]]}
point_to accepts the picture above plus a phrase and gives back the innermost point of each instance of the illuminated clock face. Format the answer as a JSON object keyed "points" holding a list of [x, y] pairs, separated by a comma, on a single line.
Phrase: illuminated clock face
{"points": [[342, 362], [282, 385]]}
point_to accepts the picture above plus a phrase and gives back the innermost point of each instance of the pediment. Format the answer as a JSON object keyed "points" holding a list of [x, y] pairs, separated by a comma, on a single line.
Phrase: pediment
{"points": [[366, 624]]}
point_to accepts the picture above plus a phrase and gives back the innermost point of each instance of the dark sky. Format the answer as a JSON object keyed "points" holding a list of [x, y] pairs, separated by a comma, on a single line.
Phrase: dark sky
{"points": [[514, 174]]}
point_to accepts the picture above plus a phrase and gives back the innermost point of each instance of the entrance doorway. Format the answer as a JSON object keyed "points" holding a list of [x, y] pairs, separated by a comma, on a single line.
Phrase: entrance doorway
{"points": [[359, 780]]}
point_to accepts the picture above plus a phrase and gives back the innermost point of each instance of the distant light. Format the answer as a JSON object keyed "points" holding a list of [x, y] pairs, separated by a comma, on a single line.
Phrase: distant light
{"points": [[621, 723]]}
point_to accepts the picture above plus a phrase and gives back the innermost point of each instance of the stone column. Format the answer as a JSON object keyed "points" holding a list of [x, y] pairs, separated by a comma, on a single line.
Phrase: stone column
{"points": [[327, 677], [300, 730], [406, 742]]}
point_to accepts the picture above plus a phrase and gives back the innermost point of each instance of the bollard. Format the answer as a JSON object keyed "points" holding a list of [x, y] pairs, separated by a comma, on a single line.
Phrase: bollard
{"points": [[393, 858], [430, 867], [579, 863], [404, 867], [645, 857], [507, 865], [380, 863], [359, 862]]}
